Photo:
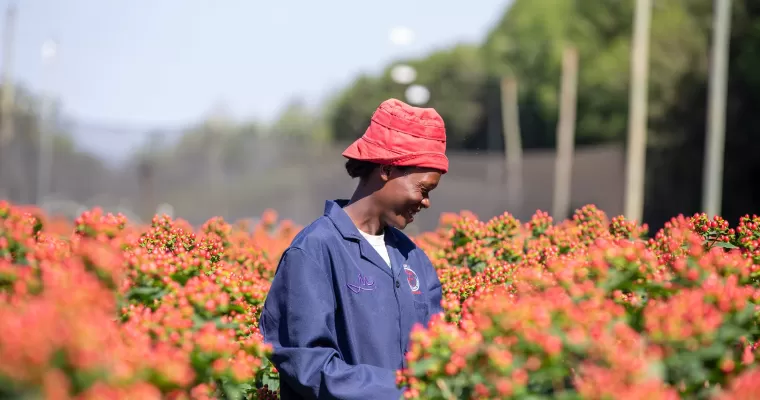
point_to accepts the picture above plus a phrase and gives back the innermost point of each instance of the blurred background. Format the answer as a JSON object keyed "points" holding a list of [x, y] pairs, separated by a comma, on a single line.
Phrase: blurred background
{"points": [[198, 108]]}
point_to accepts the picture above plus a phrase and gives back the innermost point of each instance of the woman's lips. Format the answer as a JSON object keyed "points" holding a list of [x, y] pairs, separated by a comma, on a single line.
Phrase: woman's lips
{"points": [[409, 215]]}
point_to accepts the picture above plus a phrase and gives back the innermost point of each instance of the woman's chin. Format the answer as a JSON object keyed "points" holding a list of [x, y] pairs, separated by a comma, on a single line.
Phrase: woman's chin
{"points": [[400, 222], [404, 221]]}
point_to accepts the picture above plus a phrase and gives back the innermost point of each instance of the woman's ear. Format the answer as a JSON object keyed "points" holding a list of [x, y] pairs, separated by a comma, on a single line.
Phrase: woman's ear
{"points": [[385, 172]]}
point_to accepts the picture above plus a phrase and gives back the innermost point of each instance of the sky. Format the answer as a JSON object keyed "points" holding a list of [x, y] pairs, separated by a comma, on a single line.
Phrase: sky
{"points": [[166, 63]]}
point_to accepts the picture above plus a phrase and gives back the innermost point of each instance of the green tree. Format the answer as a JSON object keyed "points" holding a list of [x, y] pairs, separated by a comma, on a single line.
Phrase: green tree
{"points": [[528, 43], [74, 173], [675, 169], [455, 78], [298, 121]]}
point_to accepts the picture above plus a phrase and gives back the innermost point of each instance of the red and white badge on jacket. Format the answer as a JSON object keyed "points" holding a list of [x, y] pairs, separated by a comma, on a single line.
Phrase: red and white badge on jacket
{"points": [[412, 279]]}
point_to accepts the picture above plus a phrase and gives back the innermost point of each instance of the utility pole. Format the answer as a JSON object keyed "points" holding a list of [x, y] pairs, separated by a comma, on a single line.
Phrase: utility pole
{"points": [[45, 156], [146, 175], [7, 103], [145, 181], [218, 126], [563, 166], [8, 96], [712, 186], [637, 112], [510, 119]]}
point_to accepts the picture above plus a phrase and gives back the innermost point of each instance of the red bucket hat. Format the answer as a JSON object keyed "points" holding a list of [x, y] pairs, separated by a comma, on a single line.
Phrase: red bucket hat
{"points": [[402, 135]]}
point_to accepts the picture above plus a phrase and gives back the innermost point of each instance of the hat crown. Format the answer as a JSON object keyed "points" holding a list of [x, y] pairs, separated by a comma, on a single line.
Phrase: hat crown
{"points": [[421, 122], [400, 134]]}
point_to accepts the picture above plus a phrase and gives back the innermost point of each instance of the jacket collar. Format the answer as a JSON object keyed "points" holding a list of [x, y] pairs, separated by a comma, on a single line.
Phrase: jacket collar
{"points": [[334, 211], [346, 227]]}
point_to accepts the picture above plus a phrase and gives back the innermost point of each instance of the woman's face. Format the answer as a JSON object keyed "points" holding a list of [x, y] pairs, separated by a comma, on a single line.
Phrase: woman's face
{"points": [[405, 193]]}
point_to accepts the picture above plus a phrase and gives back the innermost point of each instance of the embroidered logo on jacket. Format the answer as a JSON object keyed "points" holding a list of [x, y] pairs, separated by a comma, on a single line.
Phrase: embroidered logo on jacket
{"points": [[412, 279], [363, 283]]}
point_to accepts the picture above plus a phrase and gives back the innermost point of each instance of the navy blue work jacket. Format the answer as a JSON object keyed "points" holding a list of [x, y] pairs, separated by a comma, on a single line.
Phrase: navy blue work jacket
{"points": [[338, 318]]}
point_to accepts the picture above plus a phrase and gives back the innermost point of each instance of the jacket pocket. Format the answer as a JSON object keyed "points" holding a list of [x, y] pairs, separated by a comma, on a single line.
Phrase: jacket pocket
{"points": [[423, 312]]}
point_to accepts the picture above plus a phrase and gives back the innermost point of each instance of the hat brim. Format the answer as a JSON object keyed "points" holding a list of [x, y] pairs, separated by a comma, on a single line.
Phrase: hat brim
{"points": [[363, 150]]}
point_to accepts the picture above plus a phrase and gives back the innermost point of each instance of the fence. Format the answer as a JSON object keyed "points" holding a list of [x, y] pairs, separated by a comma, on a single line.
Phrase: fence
{"points": [[241, 176]]}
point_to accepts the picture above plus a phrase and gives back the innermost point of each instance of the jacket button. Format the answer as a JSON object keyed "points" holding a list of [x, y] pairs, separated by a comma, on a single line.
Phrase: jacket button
{"points": [[398, 284]]}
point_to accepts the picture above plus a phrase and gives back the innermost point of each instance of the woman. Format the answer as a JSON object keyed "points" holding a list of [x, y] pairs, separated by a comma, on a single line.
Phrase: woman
{"points": [[351, 286]]}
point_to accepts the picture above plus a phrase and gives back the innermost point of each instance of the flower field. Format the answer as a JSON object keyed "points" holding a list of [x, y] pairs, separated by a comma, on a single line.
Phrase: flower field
{"points": [[587, 308]]}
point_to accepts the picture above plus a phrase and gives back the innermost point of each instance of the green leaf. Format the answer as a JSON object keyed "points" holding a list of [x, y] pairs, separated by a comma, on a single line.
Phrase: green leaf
{"points": [[745, 315], [478, 267], [199, 321], [713, 352], [272, 381], [422, 366], [617, 279], [656, 370], [232, 391], [725, 245], [200, 363], [146, 294]]}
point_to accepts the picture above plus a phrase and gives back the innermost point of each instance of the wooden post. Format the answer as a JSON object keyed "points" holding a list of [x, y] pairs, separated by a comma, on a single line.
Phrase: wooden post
{"points": [[7, 105], [510, 119], [563, 166], [8, 95], [637, 114], [145, 176], [218, 126], [712, 187], [45, 155]]}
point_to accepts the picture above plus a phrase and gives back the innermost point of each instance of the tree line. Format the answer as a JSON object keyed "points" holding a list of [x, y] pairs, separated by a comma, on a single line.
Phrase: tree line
{"points": [[526, 44]]}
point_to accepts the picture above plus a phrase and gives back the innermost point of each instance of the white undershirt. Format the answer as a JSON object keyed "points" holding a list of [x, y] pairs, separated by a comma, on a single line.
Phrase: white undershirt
{"points": [[378, 242]]}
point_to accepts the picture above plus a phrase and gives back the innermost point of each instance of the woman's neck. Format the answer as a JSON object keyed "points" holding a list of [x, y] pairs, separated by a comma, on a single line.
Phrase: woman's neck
{"points": [[365, 214]]}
